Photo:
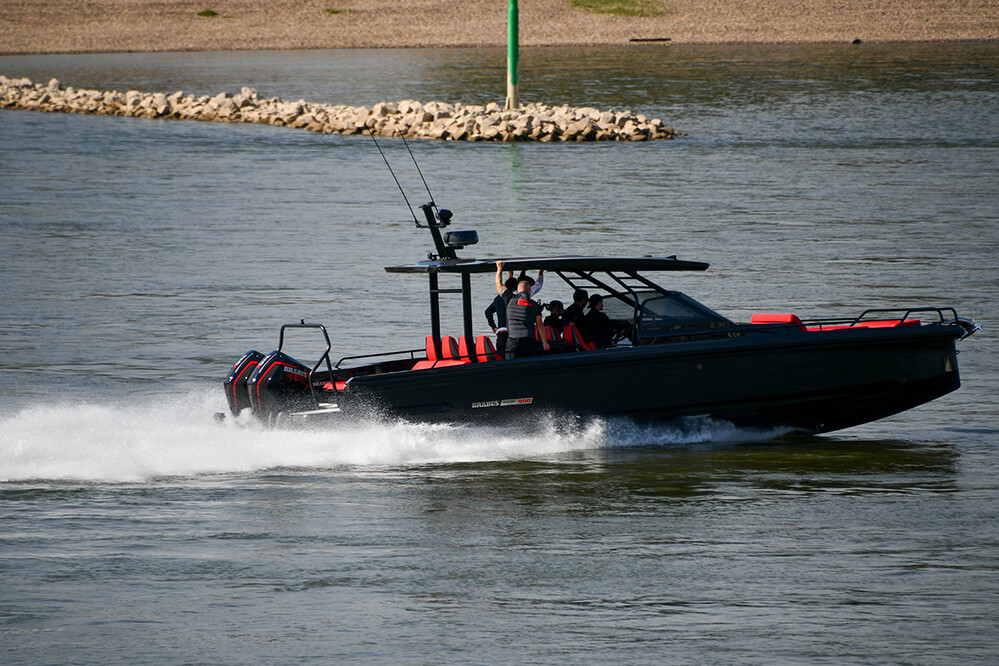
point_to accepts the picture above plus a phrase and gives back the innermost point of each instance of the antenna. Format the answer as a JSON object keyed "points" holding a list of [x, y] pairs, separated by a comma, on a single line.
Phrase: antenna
{"points": [[419, 171], [398, 184], [437, 218]]}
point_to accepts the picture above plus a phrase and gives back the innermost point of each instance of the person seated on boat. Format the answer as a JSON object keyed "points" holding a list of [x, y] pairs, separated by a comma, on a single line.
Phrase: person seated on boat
{"points": [[496, 313], [523, 318], [574, 313], [555, 318], [597, 327]]}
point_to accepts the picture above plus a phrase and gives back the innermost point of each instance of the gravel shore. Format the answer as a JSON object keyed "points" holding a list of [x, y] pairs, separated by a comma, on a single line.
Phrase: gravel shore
{"points": [[408, 118], [57, 26]]}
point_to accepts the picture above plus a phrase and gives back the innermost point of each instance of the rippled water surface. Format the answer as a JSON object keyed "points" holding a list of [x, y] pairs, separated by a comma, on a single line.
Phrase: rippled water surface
{"points": [[140, 258]]}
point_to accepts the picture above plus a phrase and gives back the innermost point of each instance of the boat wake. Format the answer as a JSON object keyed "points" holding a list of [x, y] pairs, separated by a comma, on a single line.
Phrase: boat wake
{"points": [[177, 437]]}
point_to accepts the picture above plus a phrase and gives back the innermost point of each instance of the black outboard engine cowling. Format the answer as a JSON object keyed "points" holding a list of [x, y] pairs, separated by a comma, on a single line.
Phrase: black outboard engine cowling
{"points": [[279, 384], [235, 381]]}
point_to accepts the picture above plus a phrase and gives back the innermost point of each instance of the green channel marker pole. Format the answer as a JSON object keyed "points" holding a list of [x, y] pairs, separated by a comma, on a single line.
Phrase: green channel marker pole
{"points": [[512, 49]]}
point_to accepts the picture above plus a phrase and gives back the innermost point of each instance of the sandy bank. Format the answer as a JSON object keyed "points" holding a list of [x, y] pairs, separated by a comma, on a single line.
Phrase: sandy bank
{"points": [[56, 26]]}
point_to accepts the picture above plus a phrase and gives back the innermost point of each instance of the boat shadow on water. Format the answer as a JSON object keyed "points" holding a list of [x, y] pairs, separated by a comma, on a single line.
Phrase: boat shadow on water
{"points": [[625, 478]]}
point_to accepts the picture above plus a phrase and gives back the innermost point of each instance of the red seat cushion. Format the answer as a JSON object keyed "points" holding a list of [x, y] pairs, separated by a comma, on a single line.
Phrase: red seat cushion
{"points": [[881, 323], [449, 348], [485, 350], [777, 318], [890, 323], [551, 332], [449, 354], [572, 335], [463, 350]]}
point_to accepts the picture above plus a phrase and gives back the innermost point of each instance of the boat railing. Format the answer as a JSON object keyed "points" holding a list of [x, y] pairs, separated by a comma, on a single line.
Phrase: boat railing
{"points": [[412, 355], [887, 317], [325, 356], [908, 311], [698, 334]]}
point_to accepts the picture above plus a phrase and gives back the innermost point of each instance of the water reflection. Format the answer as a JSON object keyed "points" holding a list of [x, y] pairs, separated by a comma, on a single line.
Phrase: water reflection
{"points": [[615, 480]]}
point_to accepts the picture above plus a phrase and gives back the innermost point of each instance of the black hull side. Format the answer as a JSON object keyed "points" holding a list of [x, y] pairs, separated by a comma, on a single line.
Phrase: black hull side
{"points": [[816, 381]]}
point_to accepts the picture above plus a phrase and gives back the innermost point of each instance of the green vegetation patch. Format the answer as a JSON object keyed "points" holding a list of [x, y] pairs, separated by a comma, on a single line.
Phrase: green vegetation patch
{"points": [[208, 13], [332, 10], [623, 7]]}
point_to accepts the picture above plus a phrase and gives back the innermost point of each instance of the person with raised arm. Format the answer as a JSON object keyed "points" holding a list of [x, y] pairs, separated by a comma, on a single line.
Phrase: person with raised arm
{"points": [[523, 318]]}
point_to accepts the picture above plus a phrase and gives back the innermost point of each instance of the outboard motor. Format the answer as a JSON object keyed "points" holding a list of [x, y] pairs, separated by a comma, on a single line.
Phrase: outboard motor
{"points": [[235, 381], [279, 384]]}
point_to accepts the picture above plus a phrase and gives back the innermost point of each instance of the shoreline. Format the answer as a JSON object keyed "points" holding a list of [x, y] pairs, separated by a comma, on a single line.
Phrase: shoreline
{"points": [[663, 44], [144, 26], [408, 118]]}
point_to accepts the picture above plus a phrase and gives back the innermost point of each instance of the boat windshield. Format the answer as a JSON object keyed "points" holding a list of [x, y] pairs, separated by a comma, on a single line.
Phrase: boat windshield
{"points": [[659, 312]]}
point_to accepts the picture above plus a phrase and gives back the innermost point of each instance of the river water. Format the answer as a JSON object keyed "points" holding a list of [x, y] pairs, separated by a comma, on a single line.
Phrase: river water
{"points": [[140, 258]]}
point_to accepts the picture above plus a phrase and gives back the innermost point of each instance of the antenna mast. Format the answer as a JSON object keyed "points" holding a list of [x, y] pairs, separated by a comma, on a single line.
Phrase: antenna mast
{"points": [[397, 183]]}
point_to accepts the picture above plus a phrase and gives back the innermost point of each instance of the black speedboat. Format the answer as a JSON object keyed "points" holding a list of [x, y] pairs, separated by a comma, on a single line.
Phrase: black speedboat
{"points": [[674, 358]]}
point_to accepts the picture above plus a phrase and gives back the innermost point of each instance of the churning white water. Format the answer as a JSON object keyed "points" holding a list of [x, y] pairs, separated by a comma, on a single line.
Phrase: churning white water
{"points": [[178, 435]]}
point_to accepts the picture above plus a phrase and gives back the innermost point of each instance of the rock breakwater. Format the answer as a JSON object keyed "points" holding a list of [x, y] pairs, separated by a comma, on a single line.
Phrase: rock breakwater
{"points": [[408, 118]]}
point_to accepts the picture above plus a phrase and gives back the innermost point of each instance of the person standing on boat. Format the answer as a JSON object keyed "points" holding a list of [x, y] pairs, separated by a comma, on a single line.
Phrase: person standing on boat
{"points": [[535, 285], [505, 291], [496, 312], [507, 288], [523, 319]]}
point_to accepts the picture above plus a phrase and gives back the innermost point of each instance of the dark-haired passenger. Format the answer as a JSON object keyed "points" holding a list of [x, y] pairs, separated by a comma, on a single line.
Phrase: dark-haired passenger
{"points": [[597, 327], [574, 313], [554, 319]]}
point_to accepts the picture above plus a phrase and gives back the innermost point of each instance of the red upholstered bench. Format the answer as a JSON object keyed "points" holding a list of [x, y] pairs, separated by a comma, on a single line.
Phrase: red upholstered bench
{"points": [[485, 350], [572, 335], [881, 323], [450, 354], [773, 318]]}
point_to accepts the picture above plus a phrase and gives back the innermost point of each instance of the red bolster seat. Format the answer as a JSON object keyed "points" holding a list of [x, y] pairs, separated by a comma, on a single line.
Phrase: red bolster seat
{"points": [[889, 323], [449, 354], [549, 331], [431, 355], [334, 386], [485, 350], [463, 351], [572, 335], [777, 318], [884, 323]]}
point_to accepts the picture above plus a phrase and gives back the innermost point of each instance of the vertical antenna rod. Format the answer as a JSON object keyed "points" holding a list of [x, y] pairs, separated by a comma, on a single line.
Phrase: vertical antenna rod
{"points": [[398, 184], [419, 171]]}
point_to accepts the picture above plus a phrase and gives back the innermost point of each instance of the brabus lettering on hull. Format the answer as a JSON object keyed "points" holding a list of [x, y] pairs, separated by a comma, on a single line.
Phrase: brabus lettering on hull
{"points": [[509, 402]]}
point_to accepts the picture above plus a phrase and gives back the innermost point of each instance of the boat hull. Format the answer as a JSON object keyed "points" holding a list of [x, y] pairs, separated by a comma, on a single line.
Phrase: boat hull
{"points": [[814, 382]]}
